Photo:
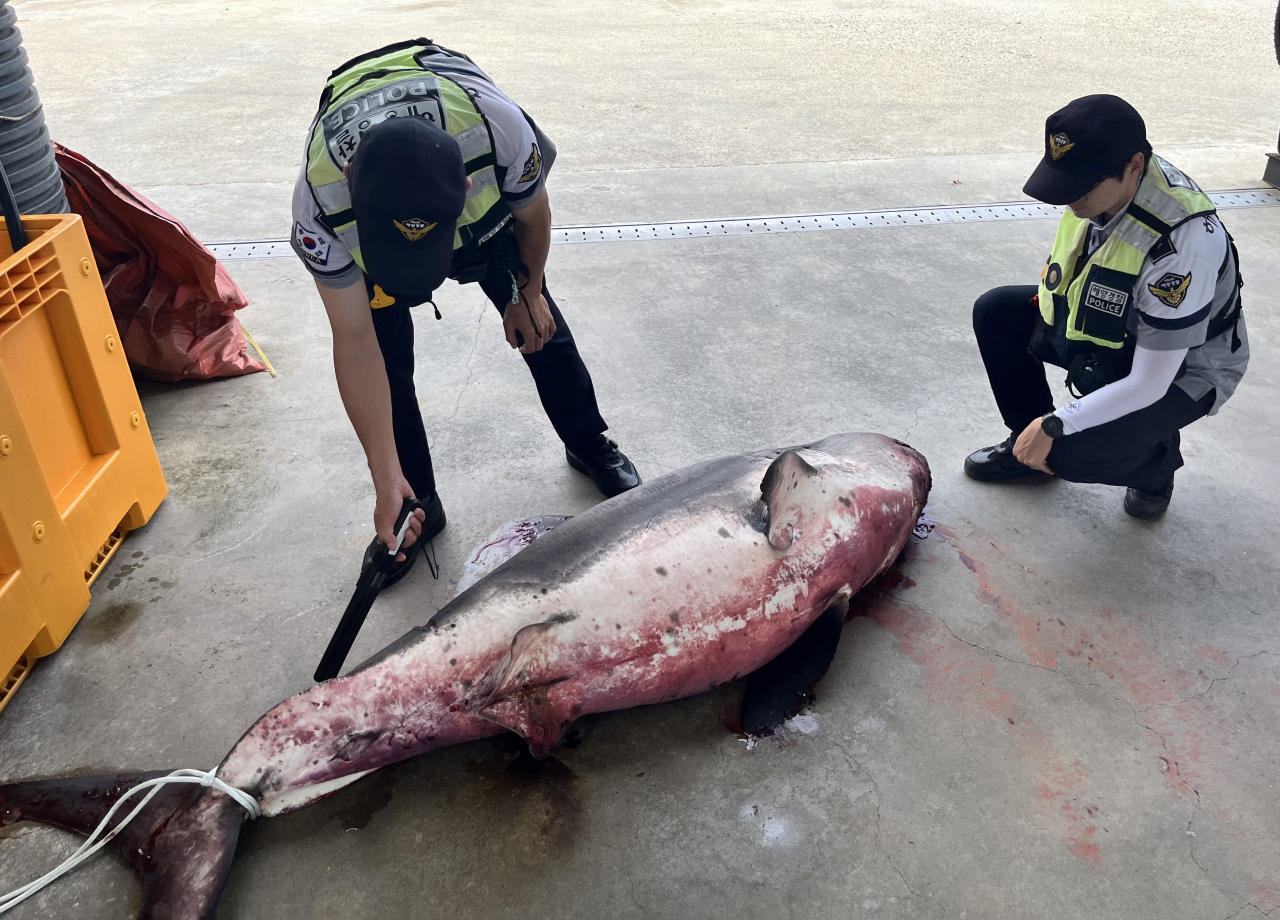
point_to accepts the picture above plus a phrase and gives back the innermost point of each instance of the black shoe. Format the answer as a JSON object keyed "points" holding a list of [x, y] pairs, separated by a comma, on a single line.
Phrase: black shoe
{"points": [[432, 524], [607, 466], [998, 464], [1147, 505]]}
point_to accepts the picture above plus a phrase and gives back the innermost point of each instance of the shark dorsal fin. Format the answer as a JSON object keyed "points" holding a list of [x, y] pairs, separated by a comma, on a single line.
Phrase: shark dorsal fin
{"points": [[785, 485]]}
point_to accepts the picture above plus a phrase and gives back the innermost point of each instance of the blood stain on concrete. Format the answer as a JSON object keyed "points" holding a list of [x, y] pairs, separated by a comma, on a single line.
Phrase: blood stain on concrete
{"points": [[957, 676], [1194, 742], [1216, 655]]}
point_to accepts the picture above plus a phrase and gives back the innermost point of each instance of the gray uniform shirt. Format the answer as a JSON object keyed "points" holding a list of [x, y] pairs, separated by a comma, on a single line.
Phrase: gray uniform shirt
{"points": [[524, 156], [1182, 287]]}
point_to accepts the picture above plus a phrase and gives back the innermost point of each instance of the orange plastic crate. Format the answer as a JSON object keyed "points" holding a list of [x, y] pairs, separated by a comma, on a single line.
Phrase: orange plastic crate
{"points": [[78, 468]]}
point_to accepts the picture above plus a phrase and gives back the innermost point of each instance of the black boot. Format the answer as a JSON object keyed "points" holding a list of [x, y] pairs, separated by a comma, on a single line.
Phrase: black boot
{"points": [[432, 524], [1147, 505], [998, 464], [607, 466]]}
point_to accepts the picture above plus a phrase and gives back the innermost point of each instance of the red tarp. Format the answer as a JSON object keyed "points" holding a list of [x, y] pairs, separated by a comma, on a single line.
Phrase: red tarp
{"points": [[173, 302]]}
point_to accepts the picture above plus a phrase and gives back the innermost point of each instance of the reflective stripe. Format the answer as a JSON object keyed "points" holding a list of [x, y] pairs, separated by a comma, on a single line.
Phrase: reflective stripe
{"points": [[351, 239], [485, 178], [474, 141], [1161, 204], [333, 197], [1136, 235]]}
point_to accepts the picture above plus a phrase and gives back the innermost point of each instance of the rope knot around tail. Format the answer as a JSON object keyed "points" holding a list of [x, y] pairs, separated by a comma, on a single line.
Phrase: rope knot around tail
{"points": [[101, 836]]}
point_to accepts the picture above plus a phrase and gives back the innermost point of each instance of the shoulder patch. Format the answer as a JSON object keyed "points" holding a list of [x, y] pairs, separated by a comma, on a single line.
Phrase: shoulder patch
{"points": [[1172, 288], [311, 245], [533, 165], [1162, 249]]}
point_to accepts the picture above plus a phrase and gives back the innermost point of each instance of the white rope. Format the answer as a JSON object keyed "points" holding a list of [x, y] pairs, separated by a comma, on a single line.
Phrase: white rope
{"points": [[90, 847]]}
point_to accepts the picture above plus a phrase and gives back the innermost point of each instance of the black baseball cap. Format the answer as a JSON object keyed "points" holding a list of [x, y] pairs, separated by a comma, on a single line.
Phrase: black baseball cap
{"points": [[1085, 142], [408, 188]]}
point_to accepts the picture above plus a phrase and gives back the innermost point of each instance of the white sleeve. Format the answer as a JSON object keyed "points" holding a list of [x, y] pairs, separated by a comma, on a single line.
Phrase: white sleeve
{"points": [[521, 159], [320, 251], [1175, 293], [1152, 373]]}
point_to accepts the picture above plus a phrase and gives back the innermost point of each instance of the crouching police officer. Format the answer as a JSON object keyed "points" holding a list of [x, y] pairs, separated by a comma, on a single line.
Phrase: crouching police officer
{"points": [[419, 168], [1139, 302]]}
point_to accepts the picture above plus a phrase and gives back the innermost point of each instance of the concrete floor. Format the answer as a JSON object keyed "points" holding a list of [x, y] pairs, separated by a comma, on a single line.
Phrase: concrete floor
{"points": [[1060, 712]]}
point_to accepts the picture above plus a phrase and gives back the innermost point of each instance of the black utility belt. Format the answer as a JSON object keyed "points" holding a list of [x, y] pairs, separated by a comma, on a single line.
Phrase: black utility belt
{"points": [[473, 263], [500, 253]]}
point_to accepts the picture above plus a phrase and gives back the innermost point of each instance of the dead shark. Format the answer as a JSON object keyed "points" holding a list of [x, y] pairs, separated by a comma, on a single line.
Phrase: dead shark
{"points": [[688, 582]]}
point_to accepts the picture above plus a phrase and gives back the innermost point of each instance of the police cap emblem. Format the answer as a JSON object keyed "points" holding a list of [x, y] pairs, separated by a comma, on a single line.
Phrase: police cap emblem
{"points": [[1172, 288], [1059, 144], [414, 228]]}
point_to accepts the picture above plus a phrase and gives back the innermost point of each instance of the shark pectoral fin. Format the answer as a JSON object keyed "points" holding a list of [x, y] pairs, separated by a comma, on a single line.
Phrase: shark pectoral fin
{"points": [[533, 658], [530, 694], [539, 714], [782, 489], [784, 686]]}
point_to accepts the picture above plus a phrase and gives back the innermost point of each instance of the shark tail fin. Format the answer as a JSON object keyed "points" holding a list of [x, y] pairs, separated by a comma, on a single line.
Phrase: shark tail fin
{"points": [[181, 843]]}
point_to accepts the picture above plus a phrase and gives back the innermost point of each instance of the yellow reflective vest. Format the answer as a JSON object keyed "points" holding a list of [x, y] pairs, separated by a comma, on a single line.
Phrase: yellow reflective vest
{"points": [[393, 82], [1085, 302]]}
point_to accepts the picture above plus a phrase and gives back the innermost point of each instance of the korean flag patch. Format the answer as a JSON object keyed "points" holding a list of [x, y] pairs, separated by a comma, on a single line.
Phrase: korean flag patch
{"points": [[310, 245]]}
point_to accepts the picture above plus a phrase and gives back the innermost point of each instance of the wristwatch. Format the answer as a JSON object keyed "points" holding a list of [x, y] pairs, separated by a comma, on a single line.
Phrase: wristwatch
{"points": [[1051, 425]]}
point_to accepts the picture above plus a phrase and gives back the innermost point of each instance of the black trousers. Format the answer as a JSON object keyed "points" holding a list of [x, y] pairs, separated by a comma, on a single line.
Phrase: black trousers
{"points": [[563, 382], [1140, 449]]}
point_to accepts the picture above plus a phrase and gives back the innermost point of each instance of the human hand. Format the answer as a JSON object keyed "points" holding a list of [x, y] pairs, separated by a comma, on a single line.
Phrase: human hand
{"points": [[531, 320], [390, 499], [1033, 446]]}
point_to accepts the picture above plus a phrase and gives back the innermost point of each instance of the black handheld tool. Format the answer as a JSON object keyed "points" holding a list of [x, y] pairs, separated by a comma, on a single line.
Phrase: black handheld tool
{"points": [[12, 217], [366, 592]]}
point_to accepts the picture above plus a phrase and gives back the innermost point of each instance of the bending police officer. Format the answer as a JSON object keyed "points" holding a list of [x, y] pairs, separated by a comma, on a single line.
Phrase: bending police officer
{"points": [[1139, 302], [419, 168]]}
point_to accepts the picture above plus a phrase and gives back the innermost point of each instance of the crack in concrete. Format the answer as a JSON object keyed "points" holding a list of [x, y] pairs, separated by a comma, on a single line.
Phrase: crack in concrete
{"points": [[945, 389], [1191, 850], [1214, 680], [1170, 759], [1030, 664], [859, 767], [631, 888], [1256, 421], [470, 371], [235, 546]]}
